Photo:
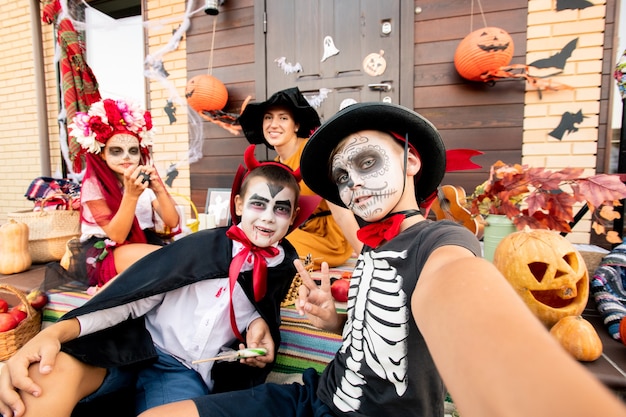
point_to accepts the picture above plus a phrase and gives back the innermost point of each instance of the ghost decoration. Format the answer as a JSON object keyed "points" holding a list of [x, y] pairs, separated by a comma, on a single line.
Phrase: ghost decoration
{"points": [[329, 48], [347, 102]]}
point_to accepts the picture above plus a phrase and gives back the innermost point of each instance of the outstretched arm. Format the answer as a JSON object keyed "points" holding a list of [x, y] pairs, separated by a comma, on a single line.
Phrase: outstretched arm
{"points": [[473, 320]]}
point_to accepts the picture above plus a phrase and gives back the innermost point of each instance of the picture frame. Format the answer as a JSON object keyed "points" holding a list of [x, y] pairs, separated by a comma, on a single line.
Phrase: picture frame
{"points": [[218, 205]]}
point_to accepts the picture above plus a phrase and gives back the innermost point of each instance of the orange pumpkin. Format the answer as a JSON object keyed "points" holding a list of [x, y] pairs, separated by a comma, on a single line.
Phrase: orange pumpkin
{"points": [[14, 254], [578, 337], [483, 50], [206, 93], [546, 271]]}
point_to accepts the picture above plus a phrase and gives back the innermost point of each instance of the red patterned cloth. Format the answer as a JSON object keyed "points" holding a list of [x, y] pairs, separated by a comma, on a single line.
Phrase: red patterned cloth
{"points": [[78, 83]]}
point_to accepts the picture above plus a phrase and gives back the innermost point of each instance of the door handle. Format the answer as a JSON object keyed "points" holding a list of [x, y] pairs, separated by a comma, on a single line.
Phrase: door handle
{"points": [[380, 87]]}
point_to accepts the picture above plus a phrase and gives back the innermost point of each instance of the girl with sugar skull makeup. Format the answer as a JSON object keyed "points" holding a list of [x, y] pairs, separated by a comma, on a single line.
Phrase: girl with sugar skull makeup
{"points": [[121, 191]]}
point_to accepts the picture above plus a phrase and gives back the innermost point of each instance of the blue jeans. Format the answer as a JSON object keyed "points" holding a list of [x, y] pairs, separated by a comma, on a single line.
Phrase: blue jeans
{"points": [[161, 382]]}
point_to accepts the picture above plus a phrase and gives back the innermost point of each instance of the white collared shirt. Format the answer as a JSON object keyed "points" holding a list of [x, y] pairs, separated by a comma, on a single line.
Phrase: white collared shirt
{"points": [[190, 323]]}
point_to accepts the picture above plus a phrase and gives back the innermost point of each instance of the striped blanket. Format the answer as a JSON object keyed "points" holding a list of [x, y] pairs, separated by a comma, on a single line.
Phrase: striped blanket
{"points": [[63, 299]]}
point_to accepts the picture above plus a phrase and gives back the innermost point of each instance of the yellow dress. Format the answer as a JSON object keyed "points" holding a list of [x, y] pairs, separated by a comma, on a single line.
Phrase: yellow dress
{"points": [[321, 237]]}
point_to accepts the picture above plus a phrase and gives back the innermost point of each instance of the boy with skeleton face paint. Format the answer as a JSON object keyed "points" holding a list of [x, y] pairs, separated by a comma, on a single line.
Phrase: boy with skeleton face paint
{"points": [[423, 308]]}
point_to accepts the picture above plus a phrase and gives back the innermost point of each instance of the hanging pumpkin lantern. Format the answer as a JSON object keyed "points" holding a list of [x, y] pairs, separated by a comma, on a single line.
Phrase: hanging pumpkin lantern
{"points": [[483, 51], [206, 93], [546, 271]]}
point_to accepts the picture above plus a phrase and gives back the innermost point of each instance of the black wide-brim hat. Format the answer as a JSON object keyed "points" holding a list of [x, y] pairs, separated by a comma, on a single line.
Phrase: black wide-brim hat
{"points": [[385, 117], [251, 119]]}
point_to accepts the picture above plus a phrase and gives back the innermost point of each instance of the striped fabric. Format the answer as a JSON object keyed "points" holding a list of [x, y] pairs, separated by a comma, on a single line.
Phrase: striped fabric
{"points": [[607, 287], [61, 300], [303, 345]]}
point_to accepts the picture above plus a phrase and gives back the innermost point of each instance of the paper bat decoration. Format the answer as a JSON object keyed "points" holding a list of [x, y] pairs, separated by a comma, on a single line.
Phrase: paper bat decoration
{"points": [[288, 67], [316, 100], [572, 4], [566, 126], [557, 60], [171, 175], [170, 110], [231, 355]]}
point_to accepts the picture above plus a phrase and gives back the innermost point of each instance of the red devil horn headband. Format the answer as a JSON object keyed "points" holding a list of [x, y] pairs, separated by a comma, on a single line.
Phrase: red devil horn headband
{"points": [[252, 163]]}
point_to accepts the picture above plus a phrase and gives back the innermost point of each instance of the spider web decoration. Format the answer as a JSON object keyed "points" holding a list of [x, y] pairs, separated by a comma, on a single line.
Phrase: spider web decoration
{"points": [[153, 70]]}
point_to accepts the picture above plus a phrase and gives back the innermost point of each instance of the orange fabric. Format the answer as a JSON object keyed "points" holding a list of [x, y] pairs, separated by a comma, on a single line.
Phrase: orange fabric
{"points": [[321, 237]]}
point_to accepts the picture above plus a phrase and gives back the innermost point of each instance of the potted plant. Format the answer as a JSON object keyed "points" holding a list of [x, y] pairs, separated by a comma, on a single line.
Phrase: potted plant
{"points": [[543, 199]]}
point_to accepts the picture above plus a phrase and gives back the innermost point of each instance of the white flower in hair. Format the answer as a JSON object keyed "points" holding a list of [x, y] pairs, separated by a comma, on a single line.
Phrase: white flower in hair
{"points": [[147, 137], [81, 130], [90, 143], [97, 109]]}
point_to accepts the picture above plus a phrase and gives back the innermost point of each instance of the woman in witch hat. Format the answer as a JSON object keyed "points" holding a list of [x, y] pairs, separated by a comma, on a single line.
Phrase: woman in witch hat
{"points": [[284, 123]]}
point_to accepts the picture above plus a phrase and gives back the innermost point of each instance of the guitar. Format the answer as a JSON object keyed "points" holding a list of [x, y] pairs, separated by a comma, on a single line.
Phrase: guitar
{"points": [[450, 205]]}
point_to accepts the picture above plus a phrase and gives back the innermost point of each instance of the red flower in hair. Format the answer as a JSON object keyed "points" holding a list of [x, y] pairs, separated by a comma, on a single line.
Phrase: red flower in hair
{"points": [[148, 118], [102, 130]]}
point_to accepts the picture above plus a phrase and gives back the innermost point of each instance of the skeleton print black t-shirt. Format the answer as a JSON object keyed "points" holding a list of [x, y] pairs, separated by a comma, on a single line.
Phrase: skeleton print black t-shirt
{"points": [[383, 367]]}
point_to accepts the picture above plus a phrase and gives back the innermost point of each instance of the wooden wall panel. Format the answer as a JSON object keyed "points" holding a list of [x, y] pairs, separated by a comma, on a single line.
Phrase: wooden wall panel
{"points": [[233, 64], [469, 114]]}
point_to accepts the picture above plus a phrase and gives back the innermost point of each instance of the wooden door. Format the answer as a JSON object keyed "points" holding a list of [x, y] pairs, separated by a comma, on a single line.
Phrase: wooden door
{"points": [[341, 49]]}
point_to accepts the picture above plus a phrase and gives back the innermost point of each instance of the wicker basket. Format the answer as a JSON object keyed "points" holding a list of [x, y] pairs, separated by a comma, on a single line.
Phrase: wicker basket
{"points": [[292, 293], [48, 232], [12, 340]]}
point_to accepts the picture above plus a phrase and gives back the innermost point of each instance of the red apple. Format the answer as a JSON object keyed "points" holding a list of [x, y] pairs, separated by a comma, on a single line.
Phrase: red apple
{"points": [[4, 306], [7, 322], [17, 313], [339, 290], [37, 299]]}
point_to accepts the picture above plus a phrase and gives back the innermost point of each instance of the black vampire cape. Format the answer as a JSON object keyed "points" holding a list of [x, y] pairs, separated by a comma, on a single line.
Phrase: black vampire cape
{"points": [[202, 255]]}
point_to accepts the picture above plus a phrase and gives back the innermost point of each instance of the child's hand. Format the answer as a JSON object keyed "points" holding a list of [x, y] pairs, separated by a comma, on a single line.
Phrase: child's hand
{"points": [[136, 179], [259, 335], [317, 302]]}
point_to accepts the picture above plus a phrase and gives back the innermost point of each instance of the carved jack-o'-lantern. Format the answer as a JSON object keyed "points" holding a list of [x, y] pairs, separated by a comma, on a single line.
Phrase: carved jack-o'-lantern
{"points": [[206, 93], [546, 271], [483, 53]]}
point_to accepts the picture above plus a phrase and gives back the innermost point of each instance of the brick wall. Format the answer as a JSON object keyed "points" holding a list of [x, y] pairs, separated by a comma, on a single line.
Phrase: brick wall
{"points": [[548, 32], [172, 140], [20, 160]]}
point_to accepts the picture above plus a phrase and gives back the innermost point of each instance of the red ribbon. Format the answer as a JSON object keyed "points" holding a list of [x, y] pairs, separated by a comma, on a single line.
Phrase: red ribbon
{"points": [[373, 234], [259, 269]]}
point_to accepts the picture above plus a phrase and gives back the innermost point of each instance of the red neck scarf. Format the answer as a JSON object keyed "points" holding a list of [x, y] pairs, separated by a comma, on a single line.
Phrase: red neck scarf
{"points": [[374, 234], [259, 270]]}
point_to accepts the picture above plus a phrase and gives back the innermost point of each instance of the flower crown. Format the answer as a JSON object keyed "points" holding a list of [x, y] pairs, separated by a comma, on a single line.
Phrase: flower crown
{"points": [[108, 117]]}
